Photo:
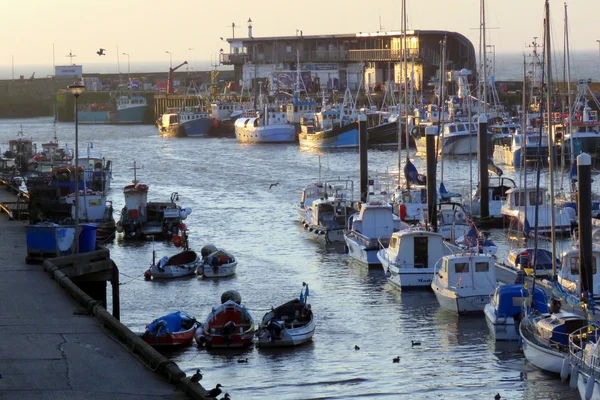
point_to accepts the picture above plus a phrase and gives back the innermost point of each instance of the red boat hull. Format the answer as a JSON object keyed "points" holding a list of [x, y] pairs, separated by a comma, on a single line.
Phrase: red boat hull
{"points": [[172, 339], [241, 327]]}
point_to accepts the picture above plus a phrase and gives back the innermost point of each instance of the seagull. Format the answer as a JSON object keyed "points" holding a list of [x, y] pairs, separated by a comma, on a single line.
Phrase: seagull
{"points": [[396, 359], [196, 377], [214, 392], [273, 184], [497, 396], [415, 343], [101, 52], [242, 360], [356, 347]]}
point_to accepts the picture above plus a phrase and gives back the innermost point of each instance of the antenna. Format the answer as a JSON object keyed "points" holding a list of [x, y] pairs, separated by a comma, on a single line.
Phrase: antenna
{"points": [[232, 26], [135, 168], [71, 55]]}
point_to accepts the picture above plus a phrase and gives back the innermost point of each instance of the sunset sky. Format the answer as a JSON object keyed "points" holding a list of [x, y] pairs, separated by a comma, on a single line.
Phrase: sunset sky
{"points": [[191, 30]]}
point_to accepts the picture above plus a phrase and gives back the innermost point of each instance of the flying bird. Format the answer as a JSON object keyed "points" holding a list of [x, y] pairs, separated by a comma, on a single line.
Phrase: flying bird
{"points": [[273, 184], [214, 392], [101, 52], [196, 377]]}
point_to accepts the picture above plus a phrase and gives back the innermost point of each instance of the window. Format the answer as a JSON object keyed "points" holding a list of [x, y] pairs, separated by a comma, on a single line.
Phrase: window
{"points": [[288, 48], [482, 267], [574, 264], [460, 127], [460, 268], [519, 199], [536, 198]]}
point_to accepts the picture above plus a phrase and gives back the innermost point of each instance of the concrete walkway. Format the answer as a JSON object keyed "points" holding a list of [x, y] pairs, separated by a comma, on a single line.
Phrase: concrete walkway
{"points": [[49, 350]]}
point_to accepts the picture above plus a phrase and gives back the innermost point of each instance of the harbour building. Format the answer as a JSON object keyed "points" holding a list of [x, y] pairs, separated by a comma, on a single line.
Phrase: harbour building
{"points": [[345, 60]]}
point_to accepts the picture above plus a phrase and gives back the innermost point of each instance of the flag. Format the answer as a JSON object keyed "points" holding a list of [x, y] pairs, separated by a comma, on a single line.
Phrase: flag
{"points": [[473, 234]]}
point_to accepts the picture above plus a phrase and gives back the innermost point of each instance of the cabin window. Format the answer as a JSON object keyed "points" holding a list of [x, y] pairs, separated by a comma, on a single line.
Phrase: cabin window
{"points": [[452, 128], [460, 268], [421, 252], [519, 199], [512, 258], [482, 267], [574, 263], [460, 127], [536, 198]]}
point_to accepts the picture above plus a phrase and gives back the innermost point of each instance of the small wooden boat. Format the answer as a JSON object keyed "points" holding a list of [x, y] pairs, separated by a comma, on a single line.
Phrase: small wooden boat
{"points": [[229, 325], [181, 264], [290, 324], [173, 329], [216, 263]]}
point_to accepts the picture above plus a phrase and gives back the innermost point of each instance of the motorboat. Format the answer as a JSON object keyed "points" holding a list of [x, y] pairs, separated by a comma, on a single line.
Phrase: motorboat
{"points": [[181, 264], [519, 212], [459, 138], [521, 148], [185, 122], [411, 203], [142, 219], [452, 221], [228, 325], [97, 170], [521, 259], [216, 263], [131, 108], [409, 260], [290, 324], [175, 329], [545, 338], [310, 193], [584, 362], [475, 242], [505, 309], [568, 275], [332, 128], [463, 282], [270, 125], [369, 230], [497, 188]]}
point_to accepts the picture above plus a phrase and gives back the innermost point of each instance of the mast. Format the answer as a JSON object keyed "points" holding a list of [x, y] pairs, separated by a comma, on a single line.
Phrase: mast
{"points": [[523, 128], [549, 89], [405, 75], [401, 100], [569, 105], [483, 56]]}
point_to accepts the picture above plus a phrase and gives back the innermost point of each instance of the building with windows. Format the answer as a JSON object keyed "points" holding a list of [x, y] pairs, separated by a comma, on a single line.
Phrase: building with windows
{"points": [[347, 60]]}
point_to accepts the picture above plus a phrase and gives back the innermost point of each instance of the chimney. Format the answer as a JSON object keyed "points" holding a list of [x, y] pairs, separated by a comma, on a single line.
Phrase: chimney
{"points": [[250, 28]]}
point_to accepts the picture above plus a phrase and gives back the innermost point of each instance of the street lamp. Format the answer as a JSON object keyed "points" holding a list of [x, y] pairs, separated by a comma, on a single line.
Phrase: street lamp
{"points": [[128, 69], [76, 89], [170, 58]]}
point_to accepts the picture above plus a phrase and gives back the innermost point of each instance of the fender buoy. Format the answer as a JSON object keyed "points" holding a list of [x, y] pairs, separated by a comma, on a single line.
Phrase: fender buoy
{"points": [[407, 198], [459, 215]]}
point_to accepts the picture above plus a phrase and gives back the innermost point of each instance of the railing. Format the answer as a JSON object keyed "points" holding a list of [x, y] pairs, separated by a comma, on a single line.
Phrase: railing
{"points": [[320, 56], [577, 342]]}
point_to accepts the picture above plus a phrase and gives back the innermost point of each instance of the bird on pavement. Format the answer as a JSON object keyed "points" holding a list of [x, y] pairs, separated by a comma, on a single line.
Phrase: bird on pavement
{"points": [[214, 392], [196, 377], [273, 184], [101, 52]]}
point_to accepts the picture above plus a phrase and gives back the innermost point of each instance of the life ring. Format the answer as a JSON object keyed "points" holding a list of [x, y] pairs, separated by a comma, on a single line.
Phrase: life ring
{"points": [[415, 132], [459, 215], [407, 198]]}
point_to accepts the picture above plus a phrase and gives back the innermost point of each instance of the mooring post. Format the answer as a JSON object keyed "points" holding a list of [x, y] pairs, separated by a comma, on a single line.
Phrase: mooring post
{"points": [[584, 207], [430, 136], [484, 194], [362, 150], [116, 298]]}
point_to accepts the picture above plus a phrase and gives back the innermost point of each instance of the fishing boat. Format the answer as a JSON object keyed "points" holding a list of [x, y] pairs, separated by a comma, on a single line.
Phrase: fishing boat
{"points": [[290, 324], [497, 188], [584, 362], [505, 309], [583, 129], [216, 263], [476, 243], [522, 202], [409, 260], [228, 325], [568, 274], [141, 218], [459, 138], [22, 150], [185, 122], [310, 194], [545, 338], [452, 221], [97, 170], [95, 210], [131, 108], [181, 264], [463, 282], [175, 329], [270, 125], [521, 148], [369, 230], [332, 129]]}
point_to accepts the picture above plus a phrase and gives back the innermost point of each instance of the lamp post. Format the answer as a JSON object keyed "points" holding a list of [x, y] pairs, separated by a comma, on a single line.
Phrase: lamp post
{"points": [[128, 68], [170, 58], [76, 89]]}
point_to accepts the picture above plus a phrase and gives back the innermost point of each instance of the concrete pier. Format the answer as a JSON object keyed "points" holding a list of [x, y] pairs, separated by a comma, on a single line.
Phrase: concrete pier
{"points": [[58, 344]]}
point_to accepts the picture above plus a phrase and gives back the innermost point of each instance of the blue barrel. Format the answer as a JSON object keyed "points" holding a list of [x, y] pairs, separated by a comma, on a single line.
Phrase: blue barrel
{"points": [[87, 238]]}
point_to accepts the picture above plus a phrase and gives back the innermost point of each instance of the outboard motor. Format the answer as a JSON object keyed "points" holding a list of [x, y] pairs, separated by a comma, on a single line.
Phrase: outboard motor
{"points": [[275, 328]]}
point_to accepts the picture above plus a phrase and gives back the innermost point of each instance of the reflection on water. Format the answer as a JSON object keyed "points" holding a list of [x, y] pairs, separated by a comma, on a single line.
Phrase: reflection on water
{"points": [[227, 186]]}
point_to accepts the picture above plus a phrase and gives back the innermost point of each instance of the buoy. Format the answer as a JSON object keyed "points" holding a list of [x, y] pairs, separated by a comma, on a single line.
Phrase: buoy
{"points": [[574, 377], [177, 241], [564, 369], [589, 388], [182, 227], [119, 229], [147, 275], [215, 123], [310, 229]]}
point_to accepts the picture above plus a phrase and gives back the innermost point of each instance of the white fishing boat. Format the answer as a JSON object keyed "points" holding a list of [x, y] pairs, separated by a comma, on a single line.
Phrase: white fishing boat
{"points": [[504, 312], [216, 263], [310, 193], [584, 362], [181, 264], [411, 203], [369, 230], [464, 282], [545, 338], [290, 324], [521, 148], [97, 171], [269, 125], [409, 260], [521, 202], [459, 138], [568, 274]]}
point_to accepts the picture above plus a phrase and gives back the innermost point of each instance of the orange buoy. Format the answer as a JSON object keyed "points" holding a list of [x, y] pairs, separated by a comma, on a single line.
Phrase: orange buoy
{"points": [[147, 275], [215, 122], [177, 241], [182, 227]]}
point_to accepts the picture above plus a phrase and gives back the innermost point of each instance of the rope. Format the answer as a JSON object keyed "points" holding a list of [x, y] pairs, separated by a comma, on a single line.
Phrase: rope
{"points": [[131, 278]]}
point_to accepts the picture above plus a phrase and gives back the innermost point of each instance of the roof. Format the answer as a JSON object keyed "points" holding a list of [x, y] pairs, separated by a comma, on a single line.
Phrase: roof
{"points": [[529, 189]]}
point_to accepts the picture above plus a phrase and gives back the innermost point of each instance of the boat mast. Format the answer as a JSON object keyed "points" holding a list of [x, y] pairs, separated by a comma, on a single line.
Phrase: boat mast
{"points": [[405, 75], [401, 98], [482, 50], [548, 63], [523, 129], [569, 105]]}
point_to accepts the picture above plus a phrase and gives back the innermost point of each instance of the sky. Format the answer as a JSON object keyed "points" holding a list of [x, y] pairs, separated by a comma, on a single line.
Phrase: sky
{"points": [[41, 33]]}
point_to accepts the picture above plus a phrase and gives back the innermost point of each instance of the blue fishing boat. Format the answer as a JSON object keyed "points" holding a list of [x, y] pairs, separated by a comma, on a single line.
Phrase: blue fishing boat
{"points": [[173, 329], [344, 134], [131, 109]]}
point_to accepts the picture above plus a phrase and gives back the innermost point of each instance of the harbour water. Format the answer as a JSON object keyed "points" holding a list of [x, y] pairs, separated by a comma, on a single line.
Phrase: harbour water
{"points": [[227, 186]]}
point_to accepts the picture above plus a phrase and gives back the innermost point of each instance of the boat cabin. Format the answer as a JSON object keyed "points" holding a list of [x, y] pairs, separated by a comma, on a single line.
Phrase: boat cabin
{"points": [[557, 327], [497, 187], [331, 214], [521, 197], [416, 249], [136, 199], [568, 276], [92, 208], [531, 138], [508, 300], [375, 220], [169, 120], [454, 128], [461, 271], [523, 259], [311, 193]]}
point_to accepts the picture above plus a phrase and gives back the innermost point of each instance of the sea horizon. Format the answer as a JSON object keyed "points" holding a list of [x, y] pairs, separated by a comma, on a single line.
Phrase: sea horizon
{"points": [[508, 67]]}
